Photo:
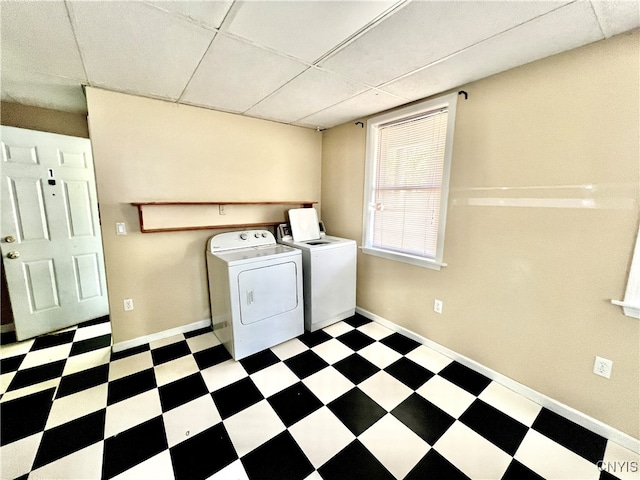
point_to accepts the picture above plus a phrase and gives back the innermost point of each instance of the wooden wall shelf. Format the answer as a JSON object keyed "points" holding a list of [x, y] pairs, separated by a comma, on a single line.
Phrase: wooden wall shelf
{"points": [[141, 206]]}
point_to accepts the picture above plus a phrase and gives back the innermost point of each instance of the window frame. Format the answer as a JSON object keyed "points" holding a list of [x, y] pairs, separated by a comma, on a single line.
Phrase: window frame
{"points": [[371, 166]]}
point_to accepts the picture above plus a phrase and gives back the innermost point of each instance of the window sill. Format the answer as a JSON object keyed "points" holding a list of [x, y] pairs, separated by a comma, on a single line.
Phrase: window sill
{"points": [[630, 310], [399, 257]]}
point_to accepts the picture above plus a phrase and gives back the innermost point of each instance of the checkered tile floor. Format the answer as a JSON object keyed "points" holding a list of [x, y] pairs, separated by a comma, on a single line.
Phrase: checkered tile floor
{"points": [[353, 401]]}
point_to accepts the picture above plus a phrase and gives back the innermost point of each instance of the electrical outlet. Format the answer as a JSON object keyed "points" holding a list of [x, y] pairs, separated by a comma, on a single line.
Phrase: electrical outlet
{"points": [[128, 304], [437, 306], [602, 367], [221, 210]]}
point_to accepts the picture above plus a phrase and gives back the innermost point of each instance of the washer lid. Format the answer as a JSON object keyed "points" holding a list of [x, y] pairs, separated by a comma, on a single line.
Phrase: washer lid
{"points": [[304, 224]]}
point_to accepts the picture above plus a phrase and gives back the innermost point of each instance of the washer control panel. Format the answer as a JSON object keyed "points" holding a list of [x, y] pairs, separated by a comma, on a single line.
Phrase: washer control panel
{"points": [[243, 239]]}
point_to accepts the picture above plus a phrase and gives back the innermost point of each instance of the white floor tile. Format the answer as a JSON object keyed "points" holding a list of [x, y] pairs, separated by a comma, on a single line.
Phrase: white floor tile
{"points": [[338, 329], [385, 390], [511, 403], [77, 405], [332, 351], [98, 330], [235, 471], [273, 379], [444, 394], [375, 330], [328, 384], [130, 365], [158, 467], [185, 421], [85, 463], [551, 460], [321, 435], [46, 355], [289, 349], [13, 349], [130, 412], [23, 392], [223, 374], [175, 370], [473, 454], [163, 342], [621, 462], [202, 342], [17, 457], [87, 360], [380, 355], [397, 447], [314, 476], [5, 380], [429, 358], [253, 426]]}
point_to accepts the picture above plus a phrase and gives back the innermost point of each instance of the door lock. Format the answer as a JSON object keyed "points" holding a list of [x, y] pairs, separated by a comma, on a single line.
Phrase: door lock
{"points": [[9, 239], [13, 255]]}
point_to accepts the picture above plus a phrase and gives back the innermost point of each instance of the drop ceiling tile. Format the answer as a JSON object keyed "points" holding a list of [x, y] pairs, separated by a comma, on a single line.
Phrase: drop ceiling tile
{"points": [[37, 37], [44, 91], [235, 75], [367, 103], [305, 30], [310, 92], [206, 13], [563, 29], [617, 16], [424, 32], [137, 48]]}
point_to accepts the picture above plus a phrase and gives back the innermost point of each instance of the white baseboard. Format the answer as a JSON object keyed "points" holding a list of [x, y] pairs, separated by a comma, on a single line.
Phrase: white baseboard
{"points": [[572, 414], [136, 342], [7, 327]]}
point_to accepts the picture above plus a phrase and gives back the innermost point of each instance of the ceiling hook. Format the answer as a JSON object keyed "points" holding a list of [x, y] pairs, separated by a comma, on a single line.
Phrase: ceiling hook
{"points": [[462, 92], [361, 124]]}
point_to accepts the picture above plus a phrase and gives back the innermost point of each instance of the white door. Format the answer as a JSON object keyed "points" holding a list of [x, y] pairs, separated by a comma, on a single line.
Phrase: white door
{"points": [[50, 231]]}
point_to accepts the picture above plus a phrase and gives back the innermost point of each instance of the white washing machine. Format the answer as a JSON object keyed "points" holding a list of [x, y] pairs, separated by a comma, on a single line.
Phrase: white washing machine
{"points": [[329, 269], [256, 293]]}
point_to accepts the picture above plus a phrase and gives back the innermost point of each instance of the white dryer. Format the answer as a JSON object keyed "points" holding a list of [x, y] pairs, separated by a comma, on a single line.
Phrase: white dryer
{"points": [[329, 269], [256, 292]]}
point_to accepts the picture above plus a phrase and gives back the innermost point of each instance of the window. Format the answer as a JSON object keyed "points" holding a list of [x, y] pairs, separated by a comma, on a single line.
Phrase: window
{"points": [[408, 161]]}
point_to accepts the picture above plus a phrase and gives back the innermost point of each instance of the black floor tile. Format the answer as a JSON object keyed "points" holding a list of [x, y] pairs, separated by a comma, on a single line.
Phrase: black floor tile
{"points": [[170, 352], [497, 427], [578, 439], [11, 364], [76, 382], [202, 455], [400, 343], [424, 418], [236, 397], [278, 459], [305, 364], [91, 344], [41, 373], [129, 352], [211, 356], [258, 361], [409, 373], [517, 471], [604, 475], [182, 391], [472, 381], [134, 446], [356, 410], [356, 368], [357, 320], [311, 339], [70, 437], [197, 333], [355, 339], [52, 340], [8, 337], [95, 321], [354, 462], [24, 416], [130, 386], [433, 465], [294, 403]]}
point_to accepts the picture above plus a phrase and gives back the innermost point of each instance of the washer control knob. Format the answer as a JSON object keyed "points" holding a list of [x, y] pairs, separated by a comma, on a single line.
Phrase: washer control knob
{"points": [[243, 236]]}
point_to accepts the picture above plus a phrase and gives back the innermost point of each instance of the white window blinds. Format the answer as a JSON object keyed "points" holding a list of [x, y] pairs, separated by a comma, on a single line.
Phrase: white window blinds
{"points": [[407, 188]]}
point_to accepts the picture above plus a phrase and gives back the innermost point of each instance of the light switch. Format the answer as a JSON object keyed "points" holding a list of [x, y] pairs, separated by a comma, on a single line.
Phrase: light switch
{"points": [[121, 229]]}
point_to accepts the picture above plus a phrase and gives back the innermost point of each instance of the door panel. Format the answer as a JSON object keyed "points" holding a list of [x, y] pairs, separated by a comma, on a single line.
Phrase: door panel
{"points": [[72, 159], [27, 209], [41, 284], [17, 154], [87, 274], [78, 207]]}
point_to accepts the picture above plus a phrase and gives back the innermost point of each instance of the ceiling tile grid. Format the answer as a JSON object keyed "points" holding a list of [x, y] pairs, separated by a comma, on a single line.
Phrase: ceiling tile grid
{"points": [[310, 63]]}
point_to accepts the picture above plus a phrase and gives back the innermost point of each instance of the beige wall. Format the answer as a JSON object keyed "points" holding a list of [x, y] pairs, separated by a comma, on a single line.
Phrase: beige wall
{"points": [[44, 119], [527, 288], [149, 150]]}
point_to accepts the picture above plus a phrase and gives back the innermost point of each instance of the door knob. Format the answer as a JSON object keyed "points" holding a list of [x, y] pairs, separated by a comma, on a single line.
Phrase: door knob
{"points": [[9, 239], [13, 255]]}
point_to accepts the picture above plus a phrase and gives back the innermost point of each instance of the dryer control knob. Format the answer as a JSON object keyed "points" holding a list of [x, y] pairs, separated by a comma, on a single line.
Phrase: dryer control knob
{"points": [[243, 236], [264, 235], [257, 235]]}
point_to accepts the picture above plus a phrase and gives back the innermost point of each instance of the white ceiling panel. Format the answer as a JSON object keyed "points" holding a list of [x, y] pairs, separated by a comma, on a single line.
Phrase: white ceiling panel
{"points": [[206, 13], [137, 48], [308, 93], [234, 75], [367, 103], [37, 37], [303, 29], [45, 91], [571, 26], [426, 31], [617, 16]]}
